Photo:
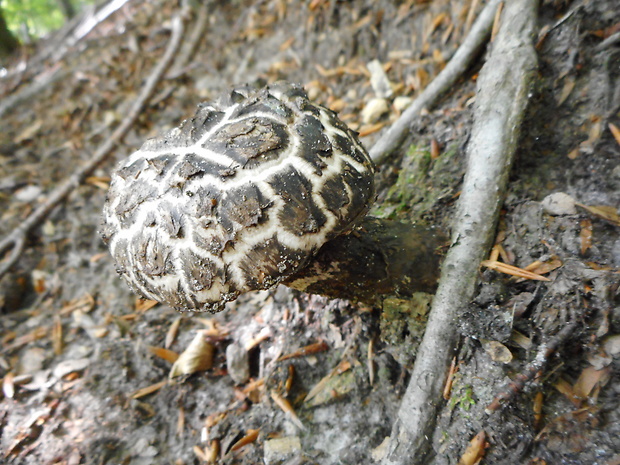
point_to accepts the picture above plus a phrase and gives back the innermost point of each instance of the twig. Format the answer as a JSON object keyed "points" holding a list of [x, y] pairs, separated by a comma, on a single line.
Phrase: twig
{"points": [[57, 48], [17, 238], [542, 357], [36, 87], [190, 46], [465, 54], [502, 96]]}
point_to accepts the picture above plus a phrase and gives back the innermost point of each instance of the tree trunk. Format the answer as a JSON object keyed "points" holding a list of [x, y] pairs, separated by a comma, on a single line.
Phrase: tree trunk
{"points": [[8, 42], [67, 8]]}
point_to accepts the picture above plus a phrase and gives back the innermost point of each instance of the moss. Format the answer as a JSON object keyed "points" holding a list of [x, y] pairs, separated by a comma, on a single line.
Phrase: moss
{"points": [[462, 397], [402, 325], [423, 184]]}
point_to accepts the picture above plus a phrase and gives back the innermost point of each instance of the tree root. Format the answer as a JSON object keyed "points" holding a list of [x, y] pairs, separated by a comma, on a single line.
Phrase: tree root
{"points": [[502, 96], [542, 357], [393, 138]]}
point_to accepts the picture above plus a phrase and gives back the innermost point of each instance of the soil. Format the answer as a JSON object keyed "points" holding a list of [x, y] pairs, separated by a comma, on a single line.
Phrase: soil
{"points": [[284, 377]]}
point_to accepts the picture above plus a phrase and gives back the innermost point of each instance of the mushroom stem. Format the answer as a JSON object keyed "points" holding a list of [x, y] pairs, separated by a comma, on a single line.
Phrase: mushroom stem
{"points": [[379, 258]]}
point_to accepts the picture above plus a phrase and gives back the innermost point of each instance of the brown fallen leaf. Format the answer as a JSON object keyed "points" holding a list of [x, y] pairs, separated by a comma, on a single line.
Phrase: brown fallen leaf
{"points": [[604, 212], [197, 357], [202, 455], [588, 379], [84, 304], [497, 351], [142, 305], [57, 340], [435, 150], [569, 85], [164, 354], [615, 132], [475, 450], [537, 407], [180, 422], [368, 129], [513, 270], [102, 182], [314, 348], [585, 235], [540, 268], [250, 436], [329, 381], [145, 391], [287, 408], [8, 385], [447, 390], [565, 388], [171, 335], [370, 363]]}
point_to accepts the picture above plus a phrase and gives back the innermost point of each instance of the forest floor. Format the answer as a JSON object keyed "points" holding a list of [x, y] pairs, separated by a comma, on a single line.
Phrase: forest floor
{"points": [[283, 377]]}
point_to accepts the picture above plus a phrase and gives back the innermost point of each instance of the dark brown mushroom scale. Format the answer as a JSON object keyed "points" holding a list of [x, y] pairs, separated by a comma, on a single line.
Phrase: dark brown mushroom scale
{"points": [[237, 198]]}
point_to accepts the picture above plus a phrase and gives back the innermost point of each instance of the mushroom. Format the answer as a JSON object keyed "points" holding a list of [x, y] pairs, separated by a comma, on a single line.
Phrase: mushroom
{"points": [[258, 188]]}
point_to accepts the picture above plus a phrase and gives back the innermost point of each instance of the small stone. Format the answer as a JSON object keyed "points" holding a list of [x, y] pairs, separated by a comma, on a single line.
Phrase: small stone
{"points": [[379, 80], [27, 194], [558, 204], [237, 363], [281, 449], [402, 102], [612, 345], [374, 110]]}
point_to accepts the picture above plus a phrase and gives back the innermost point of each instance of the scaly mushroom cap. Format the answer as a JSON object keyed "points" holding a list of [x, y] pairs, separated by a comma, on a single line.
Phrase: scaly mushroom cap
{"points": [[235, 199]]}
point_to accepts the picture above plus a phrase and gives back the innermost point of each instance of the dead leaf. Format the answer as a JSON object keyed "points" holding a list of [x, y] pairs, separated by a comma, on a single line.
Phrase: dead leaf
{"points": [[84, 304], [148, 390], [164, 354], [368, 129], [29, 132], [435, 150], [475, 450], [512, 270], [539, 268], [588, 379], [615, 132], [287, 44], [604, 212], [447, 390], [249, 438], [569, 85], [315, 348], [497, 351], [585, 235], [171, 335], [57, 341], [142, 305], [370, 363], [8, 385], [287, 408], [573, 154], [566, 389], [197, 357], [537, 408], [71, 366], [332, 384]]}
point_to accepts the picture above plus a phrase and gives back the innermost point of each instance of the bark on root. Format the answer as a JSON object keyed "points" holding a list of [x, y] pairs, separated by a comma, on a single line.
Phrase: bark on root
{"points": [[502, 96]]}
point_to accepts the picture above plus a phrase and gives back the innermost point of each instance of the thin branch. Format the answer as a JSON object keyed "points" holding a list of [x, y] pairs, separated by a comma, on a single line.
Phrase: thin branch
{"points": [[190, 45], [502, 96], [393, 138], [17, 238], [545, 351], [40, 83]]}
